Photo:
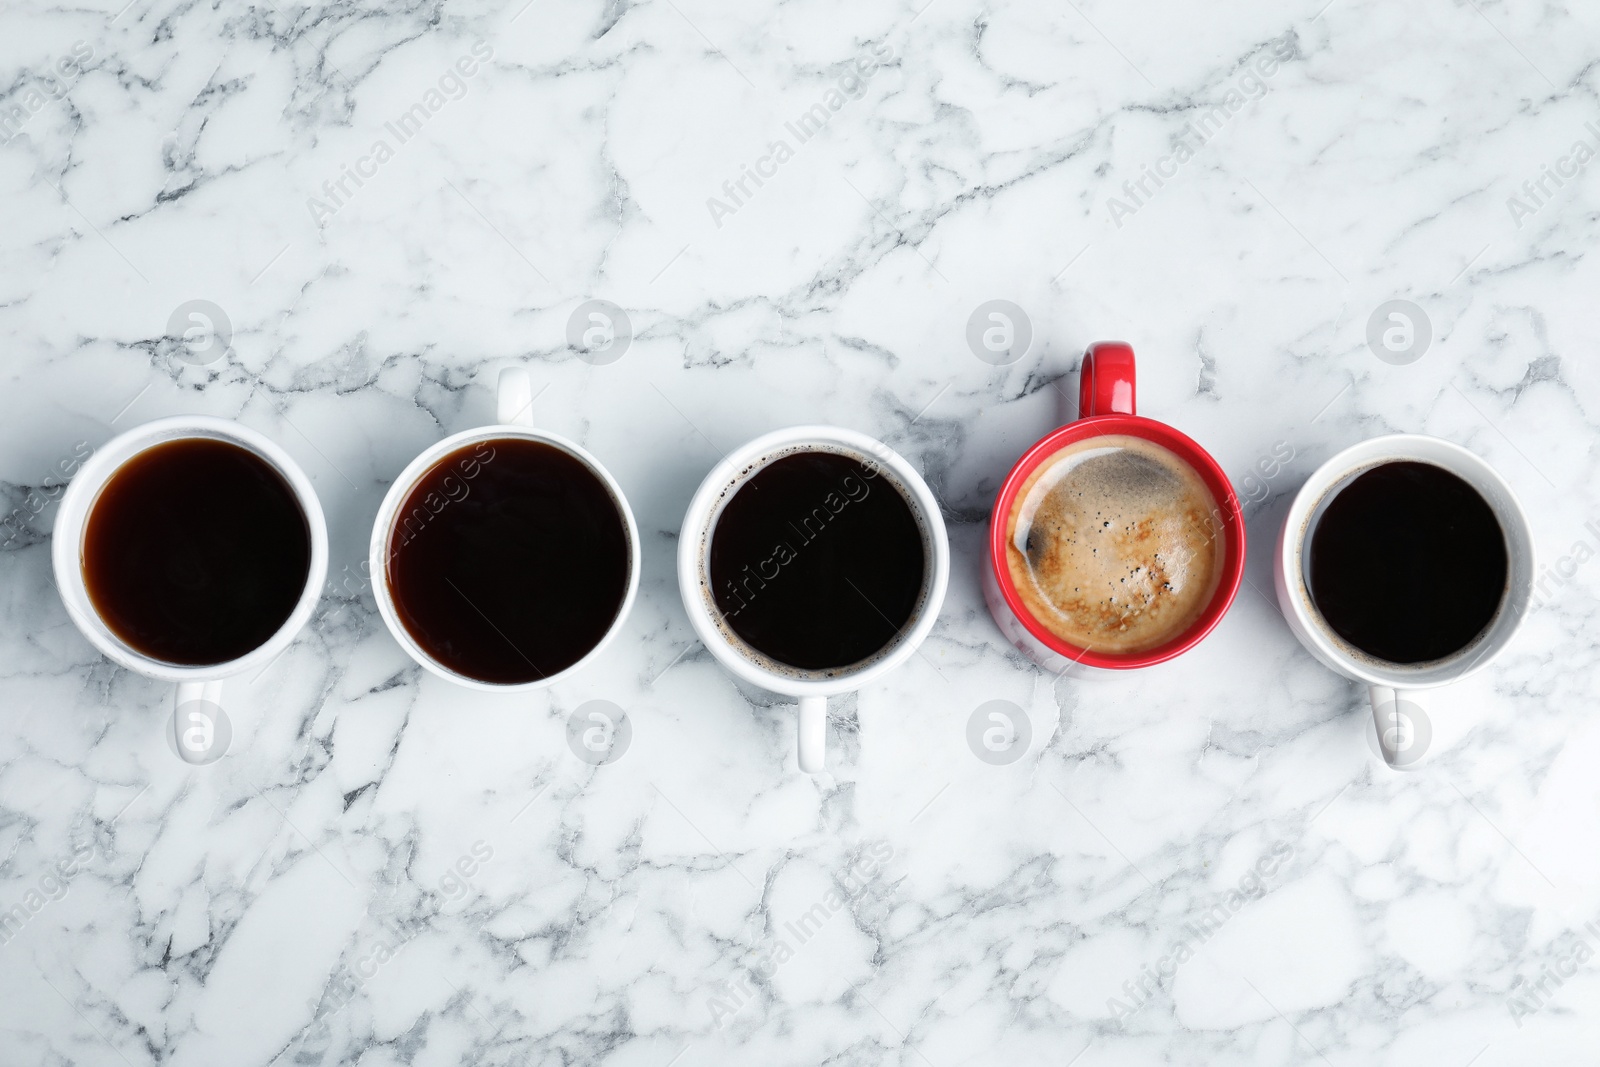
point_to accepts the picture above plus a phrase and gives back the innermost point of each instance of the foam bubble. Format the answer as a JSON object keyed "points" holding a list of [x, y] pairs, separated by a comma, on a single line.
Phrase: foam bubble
{"points": [[1114, 544]]}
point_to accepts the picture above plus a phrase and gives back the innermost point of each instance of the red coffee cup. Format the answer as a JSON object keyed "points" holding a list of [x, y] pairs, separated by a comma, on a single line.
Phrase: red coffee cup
{"points": [[1106, 406]]}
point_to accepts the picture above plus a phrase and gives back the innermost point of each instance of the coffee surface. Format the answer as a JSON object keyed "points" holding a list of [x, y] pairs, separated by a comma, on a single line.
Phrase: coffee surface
{"points": [[1115, 544], [1408, 563], [508, 561], [196, 552], [817, 561]]}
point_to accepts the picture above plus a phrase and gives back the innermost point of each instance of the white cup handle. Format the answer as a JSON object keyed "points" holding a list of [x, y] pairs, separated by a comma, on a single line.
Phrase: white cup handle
{"points": [[1405, 733], [194, 731], [514, 397], [813, 740]]}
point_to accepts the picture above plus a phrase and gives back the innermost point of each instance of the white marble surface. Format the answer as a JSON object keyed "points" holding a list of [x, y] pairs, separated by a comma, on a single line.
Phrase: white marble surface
{"points": [[295, 903]]}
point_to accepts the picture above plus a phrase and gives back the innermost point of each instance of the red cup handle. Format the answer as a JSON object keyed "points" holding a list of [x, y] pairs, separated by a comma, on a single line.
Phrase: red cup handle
{"points": [[1106, 380]]}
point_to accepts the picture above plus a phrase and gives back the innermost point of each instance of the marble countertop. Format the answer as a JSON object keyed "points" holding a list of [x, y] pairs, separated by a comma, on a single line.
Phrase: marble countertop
{"points": [[336, 223]]}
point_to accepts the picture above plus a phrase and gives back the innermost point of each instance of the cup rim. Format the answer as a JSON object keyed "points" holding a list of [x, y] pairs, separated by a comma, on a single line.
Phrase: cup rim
{"points": [[71, 524], [383, 522], [730, 469], [1186, 449], [1296, 598]]}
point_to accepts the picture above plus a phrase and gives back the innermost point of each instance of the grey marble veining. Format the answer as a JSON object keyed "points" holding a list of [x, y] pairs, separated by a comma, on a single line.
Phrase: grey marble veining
{"points": [[1202, 863]]}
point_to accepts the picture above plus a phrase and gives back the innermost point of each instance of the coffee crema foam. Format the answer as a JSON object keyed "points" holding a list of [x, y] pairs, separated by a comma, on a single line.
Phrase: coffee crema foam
{"points": [[1115, 544]]}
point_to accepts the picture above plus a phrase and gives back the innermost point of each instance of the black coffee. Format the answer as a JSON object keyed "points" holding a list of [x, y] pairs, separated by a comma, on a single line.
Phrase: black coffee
{"points": [[1408, 563], [196, 552], [817, 561], [508, 561]]}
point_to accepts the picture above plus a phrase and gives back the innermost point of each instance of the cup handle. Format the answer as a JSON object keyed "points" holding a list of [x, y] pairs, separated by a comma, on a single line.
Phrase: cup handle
{"points": [[514, 397], [1405, 732], [1106, 380], [813, 740], [194, 731]]}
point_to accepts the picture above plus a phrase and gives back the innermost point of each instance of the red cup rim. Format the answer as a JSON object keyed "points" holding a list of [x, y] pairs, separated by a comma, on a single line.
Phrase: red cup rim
{"points": [[1185, 449]]}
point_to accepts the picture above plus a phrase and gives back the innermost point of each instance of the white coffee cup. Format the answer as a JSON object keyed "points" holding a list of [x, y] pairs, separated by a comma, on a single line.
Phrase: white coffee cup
{"points": [[514, 416], [811, 688], [1399, 706], [199, 691]]}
